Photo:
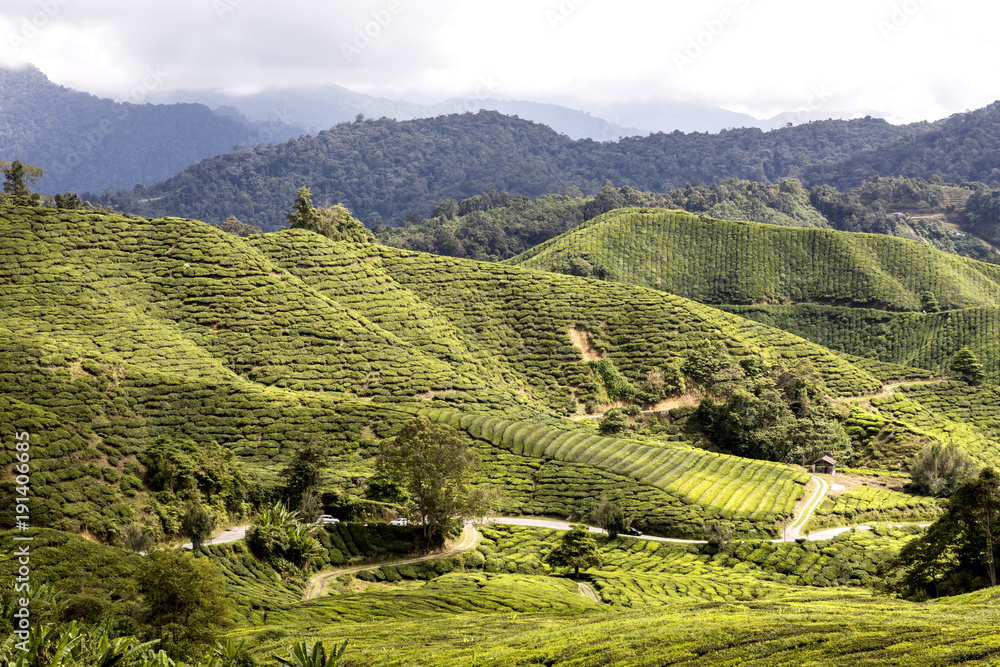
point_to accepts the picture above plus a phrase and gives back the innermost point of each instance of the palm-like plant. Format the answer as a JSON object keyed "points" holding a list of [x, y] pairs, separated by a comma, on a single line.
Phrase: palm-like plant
{"points": [[302, 654]]}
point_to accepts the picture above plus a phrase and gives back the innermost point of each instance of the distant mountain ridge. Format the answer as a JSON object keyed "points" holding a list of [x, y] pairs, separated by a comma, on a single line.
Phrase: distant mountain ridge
{"points": [[383, 169], [86, 143]]}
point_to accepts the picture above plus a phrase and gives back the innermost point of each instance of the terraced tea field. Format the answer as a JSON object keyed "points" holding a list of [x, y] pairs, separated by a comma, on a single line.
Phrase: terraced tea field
{"points": [[722, 262]]}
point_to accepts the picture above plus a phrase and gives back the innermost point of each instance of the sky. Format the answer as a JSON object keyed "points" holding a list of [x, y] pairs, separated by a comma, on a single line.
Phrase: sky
{"points": [[904, 60]]}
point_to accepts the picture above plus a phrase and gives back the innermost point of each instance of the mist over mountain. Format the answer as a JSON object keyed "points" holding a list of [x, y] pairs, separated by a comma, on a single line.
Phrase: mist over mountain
{"points": [[86, 143]]}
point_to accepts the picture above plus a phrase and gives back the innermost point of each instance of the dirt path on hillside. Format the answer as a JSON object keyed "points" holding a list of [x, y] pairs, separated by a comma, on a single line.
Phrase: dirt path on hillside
{"points": [[581, 339], [470, 537], [587, 592], [794, 529]]}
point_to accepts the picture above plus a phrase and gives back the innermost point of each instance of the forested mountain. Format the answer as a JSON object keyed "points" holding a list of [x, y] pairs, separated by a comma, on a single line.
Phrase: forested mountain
{"points": [[86, 143], [963, 147], [384, 169]]}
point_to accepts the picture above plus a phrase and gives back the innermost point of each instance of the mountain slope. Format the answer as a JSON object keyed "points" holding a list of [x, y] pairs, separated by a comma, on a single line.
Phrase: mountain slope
{"points": [[84, 143], [724, 262], [963, 147], [383, 169]]}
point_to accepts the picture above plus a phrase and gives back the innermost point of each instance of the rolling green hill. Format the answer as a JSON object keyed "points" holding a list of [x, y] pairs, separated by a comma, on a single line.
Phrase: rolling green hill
{"points": [[120, 332], [725, 262]]}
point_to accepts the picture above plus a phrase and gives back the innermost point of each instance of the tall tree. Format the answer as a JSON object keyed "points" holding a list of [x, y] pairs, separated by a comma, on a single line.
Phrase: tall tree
{"points": [[435, 465], [966, 364], [958, 553], [15, 183], [304, 473], [183, 604], [197, 524]]}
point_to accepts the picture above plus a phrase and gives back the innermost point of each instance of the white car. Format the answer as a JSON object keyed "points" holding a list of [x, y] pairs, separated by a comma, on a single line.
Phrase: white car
{"points": [[401, 521], [325, 519]]}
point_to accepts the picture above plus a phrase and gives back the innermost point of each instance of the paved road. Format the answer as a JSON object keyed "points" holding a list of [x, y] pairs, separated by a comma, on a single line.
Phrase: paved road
{"points": [[228, 535]]}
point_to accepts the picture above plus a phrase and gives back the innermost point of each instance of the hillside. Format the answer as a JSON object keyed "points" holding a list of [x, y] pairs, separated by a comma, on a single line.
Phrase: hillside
{"points": [[88, 144], [962, 147], [122, 332], [123, 337], [725, 262], [423, 162]]}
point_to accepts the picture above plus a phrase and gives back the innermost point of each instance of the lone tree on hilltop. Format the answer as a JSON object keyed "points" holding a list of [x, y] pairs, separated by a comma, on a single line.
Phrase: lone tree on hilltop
{"points": [[334, 222], [434, 464], [577, 549], [966, 364]]}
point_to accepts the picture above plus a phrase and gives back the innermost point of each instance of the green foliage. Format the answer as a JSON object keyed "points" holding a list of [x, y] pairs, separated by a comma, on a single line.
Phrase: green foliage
{"points": [[966, 364], [304, 473], [435, 464], [959, 551], [867, 505], [614, 422], [233, 225], [15, 187], [197, 524], [280, 539], [577, 549], [183, 603], [937, 469], [609, 515], [723, 262], [302, 654], [185, 469]]}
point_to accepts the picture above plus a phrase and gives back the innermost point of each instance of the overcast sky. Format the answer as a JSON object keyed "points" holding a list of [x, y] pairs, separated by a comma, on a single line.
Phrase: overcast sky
{"points": [[908, 60]]}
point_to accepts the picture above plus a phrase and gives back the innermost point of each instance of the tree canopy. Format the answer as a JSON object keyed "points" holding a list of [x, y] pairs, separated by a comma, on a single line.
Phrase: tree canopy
{"points": [[577, 549], [958, 553], [435, 465]]}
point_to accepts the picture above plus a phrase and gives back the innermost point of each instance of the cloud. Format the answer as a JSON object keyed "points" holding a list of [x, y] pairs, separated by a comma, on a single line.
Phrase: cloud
{"points": [[910, 57]]}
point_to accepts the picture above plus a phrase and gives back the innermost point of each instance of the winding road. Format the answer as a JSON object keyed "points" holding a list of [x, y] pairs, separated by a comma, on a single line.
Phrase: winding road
{"points": [[470, 537]]}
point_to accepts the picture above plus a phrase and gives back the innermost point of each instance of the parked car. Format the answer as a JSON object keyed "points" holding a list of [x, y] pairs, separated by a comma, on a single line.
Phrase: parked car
{"points": [[401, 521], [325, 519], [634, 532]]}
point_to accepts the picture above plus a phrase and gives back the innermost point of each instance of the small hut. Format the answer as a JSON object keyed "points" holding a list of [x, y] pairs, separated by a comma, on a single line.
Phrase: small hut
{"points": [[824, 465]]}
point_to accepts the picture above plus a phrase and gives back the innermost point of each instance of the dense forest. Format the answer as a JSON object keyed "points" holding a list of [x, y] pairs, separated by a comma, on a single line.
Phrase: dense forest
{"points": [[963, 147], [384, 169]]}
